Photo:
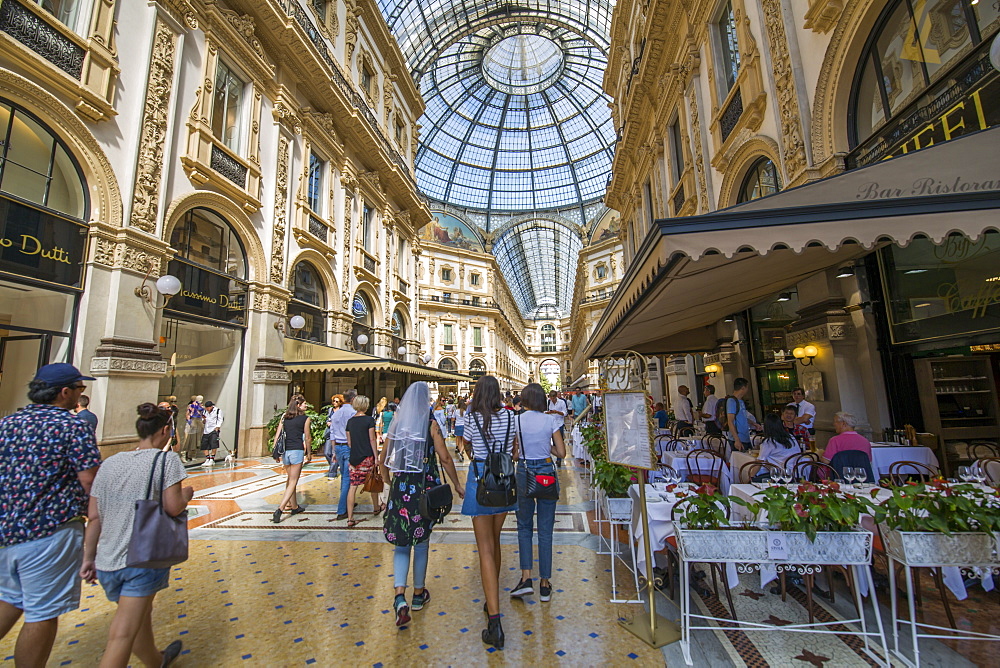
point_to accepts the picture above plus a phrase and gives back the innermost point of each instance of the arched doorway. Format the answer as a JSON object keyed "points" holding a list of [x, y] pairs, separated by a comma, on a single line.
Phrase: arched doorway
{"points": [[399, 333], [362, 331], [477, 369], [203, 326], [448, 364], [43, 204], [761, 180], [309, 301]]}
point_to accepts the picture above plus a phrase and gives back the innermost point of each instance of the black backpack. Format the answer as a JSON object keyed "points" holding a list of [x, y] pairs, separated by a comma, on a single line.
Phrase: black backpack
{"points": [[496, 484], [721, 414]]}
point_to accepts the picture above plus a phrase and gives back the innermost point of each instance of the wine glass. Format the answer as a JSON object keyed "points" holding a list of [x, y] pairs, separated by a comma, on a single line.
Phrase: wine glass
{"points": [[861, 475], [848, 475], [964, 473], [979, 473], [787, 475]]}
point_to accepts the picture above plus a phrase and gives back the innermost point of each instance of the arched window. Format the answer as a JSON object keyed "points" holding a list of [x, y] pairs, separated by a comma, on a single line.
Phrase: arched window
{"points": [[206, 239], [913, 46], [308, 301], [761, 180], [548, 339], [361, 309], [36, 166], [447, 364], [477, 369], [398, 333]]}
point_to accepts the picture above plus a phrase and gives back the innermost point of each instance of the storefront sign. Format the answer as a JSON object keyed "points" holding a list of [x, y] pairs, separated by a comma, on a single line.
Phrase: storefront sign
{"points": [[208, 295], [41, 246], [964, 103]]}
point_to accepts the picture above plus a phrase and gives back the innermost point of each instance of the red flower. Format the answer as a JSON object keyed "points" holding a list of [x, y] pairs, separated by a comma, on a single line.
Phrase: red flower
{"points": [[681, 495], [834, 486], [671, 487], [799, 510], [707, 489]]}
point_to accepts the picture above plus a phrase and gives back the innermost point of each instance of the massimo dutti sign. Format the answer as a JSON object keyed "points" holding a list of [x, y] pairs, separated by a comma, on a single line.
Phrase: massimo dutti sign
{"points": [[208, 295], [41, 246]]}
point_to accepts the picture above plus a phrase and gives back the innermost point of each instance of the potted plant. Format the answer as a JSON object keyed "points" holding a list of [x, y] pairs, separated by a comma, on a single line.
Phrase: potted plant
{"points": [[818, 525], [614, 480], [940, 524]]}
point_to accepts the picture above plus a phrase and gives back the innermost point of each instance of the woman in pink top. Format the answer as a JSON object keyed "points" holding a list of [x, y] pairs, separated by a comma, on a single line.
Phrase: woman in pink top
{"points": [[846, 438]]}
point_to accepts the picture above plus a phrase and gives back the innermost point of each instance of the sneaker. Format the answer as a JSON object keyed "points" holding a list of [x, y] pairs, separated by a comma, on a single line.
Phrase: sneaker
{"points": [[523, 588], [300, 509], [206, 463], [331, 479], [545, 592], [402, 610], [420, 600]]}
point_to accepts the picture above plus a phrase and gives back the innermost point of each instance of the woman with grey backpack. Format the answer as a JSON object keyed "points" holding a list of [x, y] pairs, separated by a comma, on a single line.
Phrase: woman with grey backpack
{"points": [[148, 472]]}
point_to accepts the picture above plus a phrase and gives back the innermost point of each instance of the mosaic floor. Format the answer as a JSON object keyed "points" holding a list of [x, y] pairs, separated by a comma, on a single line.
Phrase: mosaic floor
{"points": [[310, 591]]}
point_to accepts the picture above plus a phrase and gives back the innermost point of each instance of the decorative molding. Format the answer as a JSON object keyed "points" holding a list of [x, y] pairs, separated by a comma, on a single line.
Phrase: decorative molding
{"points": [[372, 178], [825, 333], [699, 160], [784, 82], [280, 212], [282, 114], [149, 173], [118, 249], [351, 31], [822, 15], [33, 31], [118, 366], [270, 370], [244, 25]]}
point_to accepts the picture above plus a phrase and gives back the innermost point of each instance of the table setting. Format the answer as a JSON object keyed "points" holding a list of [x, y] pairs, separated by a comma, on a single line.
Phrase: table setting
{"points": [[885, 454]]}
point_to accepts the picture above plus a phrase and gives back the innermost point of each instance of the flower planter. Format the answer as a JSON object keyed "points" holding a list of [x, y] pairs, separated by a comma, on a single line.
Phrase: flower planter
{"points": [[618, 509], [932, 548], [750, 546]]}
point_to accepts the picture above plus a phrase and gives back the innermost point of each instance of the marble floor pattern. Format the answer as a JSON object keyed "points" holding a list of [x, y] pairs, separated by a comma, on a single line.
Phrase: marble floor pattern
{"points": [[310, 591]]}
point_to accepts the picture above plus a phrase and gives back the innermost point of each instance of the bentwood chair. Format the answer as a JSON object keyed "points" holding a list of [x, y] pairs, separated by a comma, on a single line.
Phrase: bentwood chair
{"points": [[751, 470], [756, 440], [902, 472], [664, 443], [983, 450], [685, 432], [815, 472], [715, 442], [797, 460], [704, 467], [990, 466], [674, 560]]}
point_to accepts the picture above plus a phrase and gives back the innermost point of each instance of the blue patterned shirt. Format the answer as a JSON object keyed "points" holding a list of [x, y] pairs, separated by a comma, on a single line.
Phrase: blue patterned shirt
{"points": [[42, 449]]}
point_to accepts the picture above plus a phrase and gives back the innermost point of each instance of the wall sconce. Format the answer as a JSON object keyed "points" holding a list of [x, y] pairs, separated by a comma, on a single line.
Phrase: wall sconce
{"points": [[166, 285], [805, 354], [296, 322], [427, 358], [362, 340], [401, 351], [713, 369]]}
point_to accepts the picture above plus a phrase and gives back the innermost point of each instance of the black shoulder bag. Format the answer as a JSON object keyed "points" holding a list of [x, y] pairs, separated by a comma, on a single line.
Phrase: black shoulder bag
{"points": [[497, 487], [544, 487], [435, 502]]}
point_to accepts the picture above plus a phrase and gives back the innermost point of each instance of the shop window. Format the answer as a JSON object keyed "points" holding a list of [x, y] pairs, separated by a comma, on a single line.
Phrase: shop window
{"points": [[729, 47], [206, 239], [314, 189], [309, 301], [761, 180], [35, 165], [227, 107], [913, 45], [68, 12], [447, 364], [474, 279]]}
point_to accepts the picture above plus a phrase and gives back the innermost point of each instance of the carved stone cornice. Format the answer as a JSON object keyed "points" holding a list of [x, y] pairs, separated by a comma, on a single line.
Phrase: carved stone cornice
{"points": [[828, 332], [243, 24], [283, 112], [822, 15], [372, 178], [126, 248], [270, 371], [269, 298], [125, 356]]}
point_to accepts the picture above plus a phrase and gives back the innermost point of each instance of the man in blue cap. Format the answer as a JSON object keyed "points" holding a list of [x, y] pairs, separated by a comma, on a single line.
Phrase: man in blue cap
{"points": [[48, 460]]}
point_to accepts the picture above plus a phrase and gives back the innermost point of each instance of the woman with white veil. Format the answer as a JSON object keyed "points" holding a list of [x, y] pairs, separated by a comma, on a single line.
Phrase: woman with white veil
{"points": [[409, 466]]}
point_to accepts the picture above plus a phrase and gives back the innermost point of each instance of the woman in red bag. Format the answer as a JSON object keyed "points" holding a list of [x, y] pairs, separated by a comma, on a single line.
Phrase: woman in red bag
{"points": [[120, 482], [540, 439]]}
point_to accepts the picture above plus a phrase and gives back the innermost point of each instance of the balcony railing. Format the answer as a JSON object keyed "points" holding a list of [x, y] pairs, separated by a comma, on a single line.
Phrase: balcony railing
{"points": [[319, 229], [475, 301], [31, 30], [404, 287], [369, 264], [301, 16]]}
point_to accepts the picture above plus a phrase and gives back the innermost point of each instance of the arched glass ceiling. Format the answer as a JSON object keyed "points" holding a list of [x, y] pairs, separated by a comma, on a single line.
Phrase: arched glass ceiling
{"points": [[538, 259], [516, 119]]}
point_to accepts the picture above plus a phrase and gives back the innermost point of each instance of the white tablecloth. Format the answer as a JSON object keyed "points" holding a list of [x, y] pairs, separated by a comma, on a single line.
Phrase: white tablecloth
{"points": [[884, 456], [677, 460], [579, 452]]}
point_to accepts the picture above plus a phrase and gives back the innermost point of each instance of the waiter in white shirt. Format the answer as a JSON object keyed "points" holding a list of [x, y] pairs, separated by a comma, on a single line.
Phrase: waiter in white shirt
{"points": [[806, 411], [708, 411], [683, 408]]}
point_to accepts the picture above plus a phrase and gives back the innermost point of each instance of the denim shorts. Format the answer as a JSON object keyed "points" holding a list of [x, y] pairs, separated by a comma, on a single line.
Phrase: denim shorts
{"points": [[293, 457], [137, 582], [470, 506], [41, 577]]}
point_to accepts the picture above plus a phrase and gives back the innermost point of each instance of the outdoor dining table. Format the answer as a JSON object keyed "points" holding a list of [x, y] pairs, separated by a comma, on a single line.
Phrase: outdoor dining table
{"points": [[885, 455], [951, 575], [677, 460]]}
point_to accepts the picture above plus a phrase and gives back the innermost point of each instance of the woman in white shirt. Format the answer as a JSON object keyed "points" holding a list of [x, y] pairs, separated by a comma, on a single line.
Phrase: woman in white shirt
{"points": [[488, 427], [460, 429], [539, 437], [778, 444]]}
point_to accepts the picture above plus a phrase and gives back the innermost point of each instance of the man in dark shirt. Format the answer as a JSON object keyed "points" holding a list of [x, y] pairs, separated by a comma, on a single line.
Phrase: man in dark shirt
{"points": [[48, 460], [84, 413]]}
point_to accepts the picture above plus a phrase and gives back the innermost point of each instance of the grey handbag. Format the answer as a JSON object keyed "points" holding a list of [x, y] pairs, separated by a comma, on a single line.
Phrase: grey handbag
{"points": [[158, 540]]}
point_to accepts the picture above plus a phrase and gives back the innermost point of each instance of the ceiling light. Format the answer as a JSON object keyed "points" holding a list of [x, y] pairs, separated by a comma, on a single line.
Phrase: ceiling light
{"points": [[924, 305], [914, 271], [728, 318], [845, 272], [784, 296]]}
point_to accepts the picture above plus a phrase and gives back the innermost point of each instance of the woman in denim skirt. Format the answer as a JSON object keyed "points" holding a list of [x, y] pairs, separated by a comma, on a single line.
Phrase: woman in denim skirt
{"points": [[539, 439], [120, 482], [488, 426]]}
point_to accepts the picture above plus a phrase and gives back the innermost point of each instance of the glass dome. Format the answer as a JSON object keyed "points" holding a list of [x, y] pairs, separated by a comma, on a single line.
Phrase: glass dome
{"points": [[516, 119]]}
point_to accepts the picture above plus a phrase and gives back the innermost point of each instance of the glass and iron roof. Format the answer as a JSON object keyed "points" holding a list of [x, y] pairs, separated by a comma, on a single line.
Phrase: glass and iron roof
{"points": [[515, 121], [538, 260]]}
